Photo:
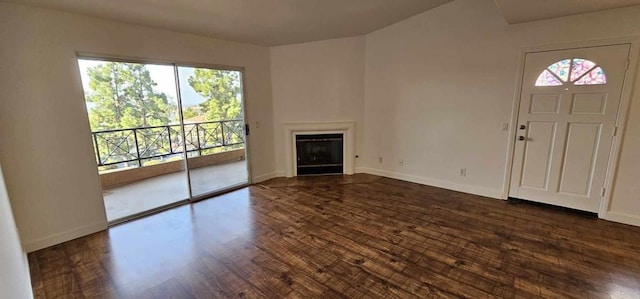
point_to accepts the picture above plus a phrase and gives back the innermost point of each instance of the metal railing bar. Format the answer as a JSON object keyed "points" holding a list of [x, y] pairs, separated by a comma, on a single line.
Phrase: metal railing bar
{"points": [[163, 126], [170, 144], [97, 147], [117, 145], [198, 137], [154, 141], [135, 137]]}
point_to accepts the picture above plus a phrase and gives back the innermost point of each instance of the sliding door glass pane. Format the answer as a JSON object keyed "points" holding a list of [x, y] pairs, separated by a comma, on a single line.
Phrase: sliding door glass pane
{"points": [[212, 107], [133, 112]]}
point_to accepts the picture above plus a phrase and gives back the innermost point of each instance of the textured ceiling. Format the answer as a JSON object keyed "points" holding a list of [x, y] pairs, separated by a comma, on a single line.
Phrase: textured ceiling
{"points": [[279, 22], [261, 22], [520, 11]]}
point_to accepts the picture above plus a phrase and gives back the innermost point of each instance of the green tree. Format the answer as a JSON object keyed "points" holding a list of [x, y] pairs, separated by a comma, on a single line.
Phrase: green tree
{"points": [[107, 84], [150, 108], [190, 112], [123, 96], [221, 89]]}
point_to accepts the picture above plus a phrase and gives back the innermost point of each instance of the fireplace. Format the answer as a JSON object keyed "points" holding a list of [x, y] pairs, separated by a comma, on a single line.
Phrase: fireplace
{"points": [[319, 154], [291, 131]]}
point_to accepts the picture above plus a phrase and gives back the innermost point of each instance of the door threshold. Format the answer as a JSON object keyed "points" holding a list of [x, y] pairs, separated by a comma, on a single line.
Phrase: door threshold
{"points": [[147, 213], [516, 201], [219, 192]]}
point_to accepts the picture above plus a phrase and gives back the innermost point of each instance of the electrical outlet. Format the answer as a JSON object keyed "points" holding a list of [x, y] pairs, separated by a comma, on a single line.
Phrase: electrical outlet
{"points": [[401, 163], [463, 172], [257, 125], [379, 159]]}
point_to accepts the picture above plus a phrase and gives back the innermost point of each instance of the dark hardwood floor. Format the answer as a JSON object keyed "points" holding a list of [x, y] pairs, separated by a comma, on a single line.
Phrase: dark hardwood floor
{"points": [[347, 237]]}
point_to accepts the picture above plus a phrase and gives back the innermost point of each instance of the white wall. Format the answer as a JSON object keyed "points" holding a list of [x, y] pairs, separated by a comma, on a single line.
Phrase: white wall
{"points": [[317, 81], [439, 85], [45, 144], [431, 90], [15, 281]]}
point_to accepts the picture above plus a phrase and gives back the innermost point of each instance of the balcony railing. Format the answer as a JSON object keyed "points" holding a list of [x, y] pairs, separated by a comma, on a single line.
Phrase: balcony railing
{"points": [[148, 143]]}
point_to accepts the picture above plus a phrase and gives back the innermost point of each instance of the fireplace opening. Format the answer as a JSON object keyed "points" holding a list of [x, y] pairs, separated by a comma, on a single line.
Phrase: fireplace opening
{"points": [[319, 154]]}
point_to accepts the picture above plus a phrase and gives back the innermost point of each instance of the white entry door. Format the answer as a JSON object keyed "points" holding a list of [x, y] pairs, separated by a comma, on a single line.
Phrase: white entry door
{"points": [[566, 123]]}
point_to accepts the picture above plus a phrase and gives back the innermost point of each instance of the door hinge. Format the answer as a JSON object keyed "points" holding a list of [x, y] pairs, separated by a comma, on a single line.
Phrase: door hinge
{"points": [[246, 129], [615, 130], [603, 191]]}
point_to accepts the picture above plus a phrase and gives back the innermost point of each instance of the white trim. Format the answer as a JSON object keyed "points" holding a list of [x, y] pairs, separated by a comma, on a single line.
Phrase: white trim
{"points": [[143, 60], [581, 44], [246, 124], [623, 112], [362, 169], [345, 127], [62, 237], [492, 193], [622, 218], [625, 100], [506, 183], [264, 177]]}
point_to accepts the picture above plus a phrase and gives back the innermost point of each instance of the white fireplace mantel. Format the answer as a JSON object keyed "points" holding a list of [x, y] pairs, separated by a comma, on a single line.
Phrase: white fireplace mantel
{"points": [[347, 128]]}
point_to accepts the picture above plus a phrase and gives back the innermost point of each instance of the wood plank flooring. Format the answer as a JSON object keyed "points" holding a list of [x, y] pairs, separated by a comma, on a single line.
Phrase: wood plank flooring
{"points": [[355, 236]]}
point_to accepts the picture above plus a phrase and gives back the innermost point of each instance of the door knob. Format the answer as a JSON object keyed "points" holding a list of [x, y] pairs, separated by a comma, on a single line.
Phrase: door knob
{"points": [[521, 138]]}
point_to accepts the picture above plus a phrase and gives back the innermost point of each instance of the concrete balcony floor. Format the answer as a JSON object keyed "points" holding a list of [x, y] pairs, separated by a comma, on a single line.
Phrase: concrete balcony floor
{"points": [[162, 190]]}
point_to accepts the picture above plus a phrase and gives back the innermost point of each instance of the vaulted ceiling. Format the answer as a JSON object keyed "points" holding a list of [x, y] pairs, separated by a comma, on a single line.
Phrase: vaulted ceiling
{"points": [[278, 22], [520, 11], [262, 22]]}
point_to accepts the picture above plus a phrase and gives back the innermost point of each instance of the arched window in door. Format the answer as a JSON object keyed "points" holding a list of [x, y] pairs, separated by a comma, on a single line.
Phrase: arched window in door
{"points": [[576, 71]]}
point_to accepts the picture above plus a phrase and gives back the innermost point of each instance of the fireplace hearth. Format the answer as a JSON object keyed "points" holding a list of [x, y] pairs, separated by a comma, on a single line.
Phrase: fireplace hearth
{"points": [[319, 154]]}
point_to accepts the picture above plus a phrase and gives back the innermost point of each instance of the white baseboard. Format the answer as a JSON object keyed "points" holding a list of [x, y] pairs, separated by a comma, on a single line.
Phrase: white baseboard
{"points": [[62, 237], [622, 218], [497, 194], [362, 170], [264, 177]]}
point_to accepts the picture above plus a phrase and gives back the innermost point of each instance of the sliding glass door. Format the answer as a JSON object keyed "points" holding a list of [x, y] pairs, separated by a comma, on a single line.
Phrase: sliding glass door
{"points": [[134, 115], [163, 134], [213, 117]]}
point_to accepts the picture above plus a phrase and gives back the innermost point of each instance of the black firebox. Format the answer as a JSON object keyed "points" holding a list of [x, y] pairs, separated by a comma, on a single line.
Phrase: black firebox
{"points": [[319, 154]]}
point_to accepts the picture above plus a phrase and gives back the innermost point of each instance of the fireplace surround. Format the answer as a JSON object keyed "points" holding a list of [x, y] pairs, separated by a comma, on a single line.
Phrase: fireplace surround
{"points": [[292, 130]]}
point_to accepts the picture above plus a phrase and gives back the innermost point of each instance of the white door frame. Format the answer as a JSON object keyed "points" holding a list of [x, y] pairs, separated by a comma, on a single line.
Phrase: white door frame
{"points": [[175, 64], [621, 120]]}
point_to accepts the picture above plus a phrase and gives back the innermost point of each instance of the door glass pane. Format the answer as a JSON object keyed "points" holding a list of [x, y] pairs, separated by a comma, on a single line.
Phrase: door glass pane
{"points": [[212, 107], [133, 113]]}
